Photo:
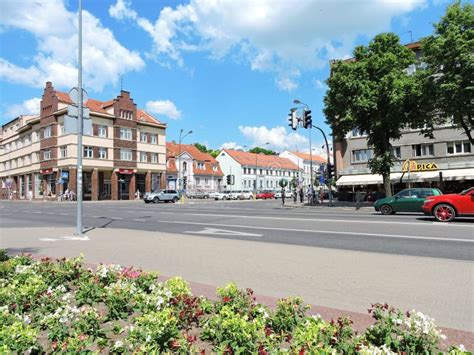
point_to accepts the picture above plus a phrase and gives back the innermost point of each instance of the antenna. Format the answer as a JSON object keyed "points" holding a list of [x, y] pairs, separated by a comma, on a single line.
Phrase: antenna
{"points": [[411, 35]]}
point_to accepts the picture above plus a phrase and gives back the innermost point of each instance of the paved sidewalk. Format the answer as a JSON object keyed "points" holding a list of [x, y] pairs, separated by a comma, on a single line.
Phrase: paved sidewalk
{"points": [[329, 278]]}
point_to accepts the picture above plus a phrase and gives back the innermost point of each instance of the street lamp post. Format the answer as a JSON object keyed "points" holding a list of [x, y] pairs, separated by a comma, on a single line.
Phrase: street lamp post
{"points": [[328, 162], [181, 137], [256, 167]]}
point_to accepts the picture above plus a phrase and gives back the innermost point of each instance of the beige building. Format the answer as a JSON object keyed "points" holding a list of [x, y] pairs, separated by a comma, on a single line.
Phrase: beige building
{"points": [[125, 153]]}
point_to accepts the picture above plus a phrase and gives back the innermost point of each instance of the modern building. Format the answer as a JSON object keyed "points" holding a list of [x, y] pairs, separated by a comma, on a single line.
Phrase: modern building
{"points": [[252, 170], [305, 162], [445, 161], [201, 171], [125, 153]]}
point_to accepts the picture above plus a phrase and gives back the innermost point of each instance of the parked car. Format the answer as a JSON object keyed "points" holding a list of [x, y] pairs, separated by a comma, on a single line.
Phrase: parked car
{"points": [[162, 196], [223, 195], [235, 194], [198, 194], [288, 194], [246, 195], [264, 195], [408, 200], [214, 194], [447, 207]]}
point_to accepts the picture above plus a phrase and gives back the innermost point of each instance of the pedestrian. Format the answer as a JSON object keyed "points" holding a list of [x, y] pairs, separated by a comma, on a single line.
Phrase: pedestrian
{"points": [[30, 195], [66, 195], [72, 196], [358, 197], [295, 195], [283, 195], [137, 195], [301, 195], [321, 195]]}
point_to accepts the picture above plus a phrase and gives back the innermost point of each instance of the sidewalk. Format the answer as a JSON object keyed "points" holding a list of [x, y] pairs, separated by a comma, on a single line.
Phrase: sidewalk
{"points": [[337, 281]]}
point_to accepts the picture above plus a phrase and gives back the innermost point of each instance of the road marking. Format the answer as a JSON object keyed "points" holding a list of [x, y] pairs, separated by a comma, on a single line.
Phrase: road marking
{"points": [[84, 239], [215, 231], [139, 220], [328, 220], [64, 214], [116, 218], [323, 231]]}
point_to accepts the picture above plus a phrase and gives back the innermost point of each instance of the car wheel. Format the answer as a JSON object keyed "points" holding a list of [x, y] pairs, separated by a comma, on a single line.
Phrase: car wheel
{"points": [[386, 209], [175, 199], [444, 213], [146, 201], [156, 200]]}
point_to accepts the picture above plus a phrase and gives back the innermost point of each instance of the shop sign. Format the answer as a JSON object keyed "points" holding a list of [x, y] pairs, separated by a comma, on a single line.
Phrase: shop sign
{"points": [[126, 171], [46, 171], [411, 165]]}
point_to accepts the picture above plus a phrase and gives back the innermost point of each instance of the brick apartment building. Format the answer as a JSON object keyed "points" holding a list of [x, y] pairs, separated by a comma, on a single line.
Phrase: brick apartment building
{"points": [[126, 152]]}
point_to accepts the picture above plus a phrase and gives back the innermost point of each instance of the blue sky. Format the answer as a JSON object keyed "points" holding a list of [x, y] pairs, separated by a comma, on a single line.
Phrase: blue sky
{"points": [[228, 70]]}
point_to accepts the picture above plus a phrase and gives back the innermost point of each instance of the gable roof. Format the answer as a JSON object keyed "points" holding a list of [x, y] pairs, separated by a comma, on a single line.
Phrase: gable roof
{"points": [[99, 107], [306, 156], [209, 162], [263, 161]]}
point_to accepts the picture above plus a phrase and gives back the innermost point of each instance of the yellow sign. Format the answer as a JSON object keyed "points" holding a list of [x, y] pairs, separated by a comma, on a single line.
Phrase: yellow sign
{"points": [[411, 165]]}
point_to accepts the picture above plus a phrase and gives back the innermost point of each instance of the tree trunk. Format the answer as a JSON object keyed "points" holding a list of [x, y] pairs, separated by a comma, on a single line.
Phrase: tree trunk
{"points": [[387, 185]]}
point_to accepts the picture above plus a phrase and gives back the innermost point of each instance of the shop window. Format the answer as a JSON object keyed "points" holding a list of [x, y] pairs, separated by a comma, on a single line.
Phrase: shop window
{"points": [[102, 153], [88, 152], [126, 134], [361, 155], [422, 150], [126, 154], [458, 147]]}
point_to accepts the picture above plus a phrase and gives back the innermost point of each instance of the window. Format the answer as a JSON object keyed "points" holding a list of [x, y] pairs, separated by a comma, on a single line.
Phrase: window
{"points": [[88, 152], [200, 166], [396, 151], [361, 155], [458, 147], [37, 157], [63, 151], [422, 150], [356, 133], [102, 131], [102, 153], [34, 136], [126, 133], [126, 154], [28, 139], [126, 114], [214, 168], [154, 158], [47, 154], [143, 137], [47, 132], [61, 129], [154, 139], [143, 157], [20, 143]]}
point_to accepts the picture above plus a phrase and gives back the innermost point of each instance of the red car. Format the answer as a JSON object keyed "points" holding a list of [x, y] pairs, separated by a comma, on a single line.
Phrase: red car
{"points": [[446, 207], [264, 195]]}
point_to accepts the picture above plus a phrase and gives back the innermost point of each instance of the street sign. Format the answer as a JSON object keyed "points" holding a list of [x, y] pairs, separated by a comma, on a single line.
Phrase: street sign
{"points": [[65, 175], [321, 179], [73, 110], [70, 125], [74, 95]]}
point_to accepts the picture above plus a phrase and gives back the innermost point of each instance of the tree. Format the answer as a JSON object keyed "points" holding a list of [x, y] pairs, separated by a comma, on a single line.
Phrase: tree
{"points": [[374, 94], [202, 148], [449, 55], [258, 150]]}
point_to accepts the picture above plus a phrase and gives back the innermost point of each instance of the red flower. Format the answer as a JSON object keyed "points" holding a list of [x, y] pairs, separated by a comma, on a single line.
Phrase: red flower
{"points": [[175, 344], [54, 345], [226, 299]]}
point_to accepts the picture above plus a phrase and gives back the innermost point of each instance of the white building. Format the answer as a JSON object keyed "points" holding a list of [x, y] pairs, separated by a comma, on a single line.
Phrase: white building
{"points": [[304, 162], [201, 170], [250, 170]]}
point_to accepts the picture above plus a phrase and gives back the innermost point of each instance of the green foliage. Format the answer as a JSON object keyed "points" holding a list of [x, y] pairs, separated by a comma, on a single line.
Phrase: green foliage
{"points": [[204, 149], [237, 300], [282, 183], [288, 314], [3, 255], [258, 150], [374, 94], [450, 72], [18, 337]]}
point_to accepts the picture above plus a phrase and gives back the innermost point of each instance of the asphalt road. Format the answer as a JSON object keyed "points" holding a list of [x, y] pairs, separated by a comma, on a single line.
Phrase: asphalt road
{"points": [[264, 221]]}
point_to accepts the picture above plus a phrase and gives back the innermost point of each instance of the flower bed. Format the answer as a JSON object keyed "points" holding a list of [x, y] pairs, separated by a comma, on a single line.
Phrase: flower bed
{"points": [[59, 306]]}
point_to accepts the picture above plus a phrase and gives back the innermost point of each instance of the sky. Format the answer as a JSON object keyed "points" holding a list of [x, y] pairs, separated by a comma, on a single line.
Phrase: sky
{"points": [[227, 70]]}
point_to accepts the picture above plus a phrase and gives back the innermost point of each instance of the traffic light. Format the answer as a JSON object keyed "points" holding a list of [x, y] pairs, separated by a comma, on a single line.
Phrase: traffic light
{"points": [[293, 120], [229, 179], [185, 181], [330, 170], [307, 119]]}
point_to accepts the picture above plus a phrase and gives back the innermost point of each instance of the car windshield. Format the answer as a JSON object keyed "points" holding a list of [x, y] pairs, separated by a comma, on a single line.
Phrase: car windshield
{"points": [[465, 192]]}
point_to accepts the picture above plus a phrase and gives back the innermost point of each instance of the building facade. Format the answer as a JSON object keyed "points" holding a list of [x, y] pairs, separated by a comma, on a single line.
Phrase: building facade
{"points": [[445, 161], [125, 153], [200, 171], [305, 162], [257, 171]]}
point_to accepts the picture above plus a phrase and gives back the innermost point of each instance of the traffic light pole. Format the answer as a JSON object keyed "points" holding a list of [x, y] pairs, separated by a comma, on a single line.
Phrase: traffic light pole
{"points": [[328, 163]]}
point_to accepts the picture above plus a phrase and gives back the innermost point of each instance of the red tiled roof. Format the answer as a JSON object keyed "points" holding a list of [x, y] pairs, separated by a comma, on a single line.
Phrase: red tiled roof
{"points": [[264, 161], [306, 156], [99, 107], [173, 150], [171, 165]]}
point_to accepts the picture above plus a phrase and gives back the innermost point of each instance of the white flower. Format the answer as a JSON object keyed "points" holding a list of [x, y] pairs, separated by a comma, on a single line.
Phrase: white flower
{"points": [[152, 287], [26, 319], [118, 344], [148, 338]]}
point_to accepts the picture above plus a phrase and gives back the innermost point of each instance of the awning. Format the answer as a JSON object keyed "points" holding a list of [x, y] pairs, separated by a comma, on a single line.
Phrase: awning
{"points": [[458, 174], [420, 176], [363, 179]]}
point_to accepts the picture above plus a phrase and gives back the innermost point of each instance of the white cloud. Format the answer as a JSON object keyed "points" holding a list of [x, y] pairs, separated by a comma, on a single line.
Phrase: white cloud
{"points": [[231, 145], [318, 84], [122, 10], [104, 58], [27, 107], [273, 36], [278, 137], [164, 107]]}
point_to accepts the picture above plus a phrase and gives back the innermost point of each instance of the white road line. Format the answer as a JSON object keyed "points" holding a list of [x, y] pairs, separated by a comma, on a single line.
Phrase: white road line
{"points": [[323, 231], [332, 220], [139, 220], [115, 218], [64, 214]]}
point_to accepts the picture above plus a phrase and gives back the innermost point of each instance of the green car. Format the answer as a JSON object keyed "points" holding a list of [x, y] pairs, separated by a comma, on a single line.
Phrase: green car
{"points": [[408, 200]]}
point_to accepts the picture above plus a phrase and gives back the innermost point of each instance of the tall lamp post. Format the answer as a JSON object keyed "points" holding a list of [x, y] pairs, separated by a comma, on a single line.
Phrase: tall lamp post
{"points": [[181, 137], [256, 167]]}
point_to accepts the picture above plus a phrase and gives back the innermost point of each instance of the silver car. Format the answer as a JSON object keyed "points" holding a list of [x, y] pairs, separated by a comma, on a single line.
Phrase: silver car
{"points": [[162, 196]]}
